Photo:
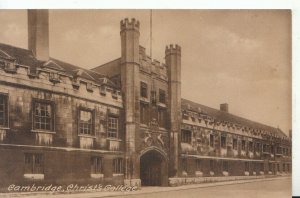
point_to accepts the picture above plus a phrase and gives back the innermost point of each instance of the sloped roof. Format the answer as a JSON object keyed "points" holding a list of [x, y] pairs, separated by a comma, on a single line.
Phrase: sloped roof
{"points": [[22, 56], [224, 116], [26, 57]]}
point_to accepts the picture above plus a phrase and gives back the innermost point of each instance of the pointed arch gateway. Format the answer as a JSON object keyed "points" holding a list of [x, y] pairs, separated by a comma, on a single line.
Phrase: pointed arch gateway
{"points": [[153, 167]]}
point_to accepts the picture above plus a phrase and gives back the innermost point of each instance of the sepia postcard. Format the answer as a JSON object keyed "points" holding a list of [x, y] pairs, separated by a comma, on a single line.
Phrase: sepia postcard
{"points": [[146, 103]]}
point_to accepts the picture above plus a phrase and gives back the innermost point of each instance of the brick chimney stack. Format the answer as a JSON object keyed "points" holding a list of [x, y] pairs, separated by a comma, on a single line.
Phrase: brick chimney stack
{"points": [[224, 107], [38, 33]]}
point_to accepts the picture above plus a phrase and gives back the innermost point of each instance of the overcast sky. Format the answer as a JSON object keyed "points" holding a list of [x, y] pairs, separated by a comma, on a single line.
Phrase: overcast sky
{"points": [[241, 57]]}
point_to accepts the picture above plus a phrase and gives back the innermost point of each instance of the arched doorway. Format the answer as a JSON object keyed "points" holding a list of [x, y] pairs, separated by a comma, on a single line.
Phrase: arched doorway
{"points": [[152, 168]]}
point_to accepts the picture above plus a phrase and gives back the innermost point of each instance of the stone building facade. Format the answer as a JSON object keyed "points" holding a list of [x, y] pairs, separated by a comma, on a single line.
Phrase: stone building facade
{"points": [[123, 122]]}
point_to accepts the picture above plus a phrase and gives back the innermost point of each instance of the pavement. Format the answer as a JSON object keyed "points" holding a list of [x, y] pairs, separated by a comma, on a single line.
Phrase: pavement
{"points": [[255, 186]]}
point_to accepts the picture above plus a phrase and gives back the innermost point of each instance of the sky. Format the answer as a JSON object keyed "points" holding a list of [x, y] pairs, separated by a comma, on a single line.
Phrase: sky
{"points": [[239, 57]]}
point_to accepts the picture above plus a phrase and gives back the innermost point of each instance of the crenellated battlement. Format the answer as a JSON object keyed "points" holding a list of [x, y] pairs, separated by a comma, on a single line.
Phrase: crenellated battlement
{"points": [[132, 24], [171, 49]]}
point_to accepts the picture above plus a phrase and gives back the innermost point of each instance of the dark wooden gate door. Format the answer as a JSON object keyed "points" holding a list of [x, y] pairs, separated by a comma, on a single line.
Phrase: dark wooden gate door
{"points": [[150, 170]]}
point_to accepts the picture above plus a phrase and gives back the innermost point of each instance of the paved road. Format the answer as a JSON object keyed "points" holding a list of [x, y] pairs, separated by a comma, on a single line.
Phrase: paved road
{"points": [[280, 188]]}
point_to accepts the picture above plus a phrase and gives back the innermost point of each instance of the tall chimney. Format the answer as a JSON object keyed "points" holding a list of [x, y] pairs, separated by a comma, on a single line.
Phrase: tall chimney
{"points": [[224, 107], [38, 33]]}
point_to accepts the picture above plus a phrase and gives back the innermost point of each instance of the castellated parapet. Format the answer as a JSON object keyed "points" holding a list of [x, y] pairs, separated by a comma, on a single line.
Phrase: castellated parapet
{"points": [[127, 24], [173, 49]]}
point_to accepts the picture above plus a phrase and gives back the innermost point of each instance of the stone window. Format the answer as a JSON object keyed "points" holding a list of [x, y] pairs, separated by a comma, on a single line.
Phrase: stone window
{"points": [[162, 113], [225, 166], [247, 166], [251, 146], [112, 126], [272, 149], [3, 110], [34, 163], [144, 113], [186, 136], [162, 96], [279, 150], [212, 165], [234, 144], [243, 145], [118, 165], [198, 165], [144, 90], [184, 165], [86, 122], [257, 147], [212, 140], [265, 148], [96, 165], [223, 141], [278, 168], [43, 115]]}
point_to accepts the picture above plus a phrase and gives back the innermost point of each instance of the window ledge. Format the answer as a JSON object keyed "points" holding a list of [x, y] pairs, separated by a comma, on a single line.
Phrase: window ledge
{"points": [[117, 174], [114, 139], [87, 136], [146, 100], [34, 176], [42, 131], [97, 175], [161, 105], [4, 128]]}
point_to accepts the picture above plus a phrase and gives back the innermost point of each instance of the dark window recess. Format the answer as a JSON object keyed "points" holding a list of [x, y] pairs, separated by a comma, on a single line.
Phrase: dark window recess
{"points": [[86, 122], [243, 145], [251, 146], [186, 136], [257, 147], [162, 96], [212, 165], [118, 165], [234, 144], [225, 166], [144, 90], [96, 165], [43, 116], [112, 127], [247, 166], [3, 110], [34, 163], [212, 140], [144, 113], [223, 141], [162, 113], [184, 165], [198, 165]]}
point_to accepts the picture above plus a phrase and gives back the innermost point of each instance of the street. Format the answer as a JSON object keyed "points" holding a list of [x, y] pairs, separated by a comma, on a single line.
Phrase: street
{"points": [[279, 188]]}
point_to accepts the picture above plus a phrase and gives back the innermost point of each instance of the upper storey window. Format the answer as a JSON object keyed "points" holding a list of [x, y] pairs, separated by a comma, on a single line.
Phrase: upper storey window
{"points": [[86, 122], [186, 136], [3, 110], [144, 90], [223, 141], [113, 126], [162, 96], [43, 116]]}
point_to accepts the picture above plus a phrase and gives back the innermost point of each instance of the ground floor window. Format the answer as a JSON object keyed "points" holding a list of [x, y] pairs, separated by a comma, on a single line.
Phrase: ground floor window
{"points": [[186, 136], [96, 165], [118, 165], [198, 165], [184, 165], [225, 166], [34, 163], [211, 165], [283, 167], [278, 167], [247, 166]]}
